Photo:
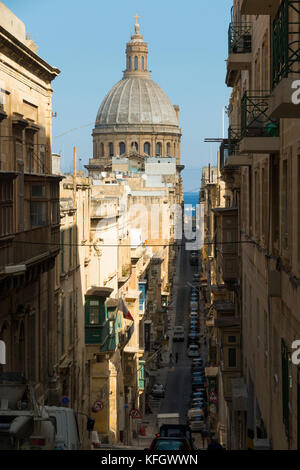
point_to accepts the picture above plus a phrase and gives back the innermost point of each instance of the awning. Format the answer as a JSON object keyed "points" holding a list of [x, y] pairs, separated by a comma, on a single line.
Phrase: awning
{"points": [[112, 303]]}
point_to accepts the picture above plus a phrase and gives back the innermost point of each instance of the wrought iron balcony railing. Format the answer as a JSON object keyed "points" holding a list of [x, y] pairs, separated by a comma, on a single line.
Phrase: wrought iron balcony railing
{"points": [[286, 41], [255, 120], [240, 38], [234, 137]]}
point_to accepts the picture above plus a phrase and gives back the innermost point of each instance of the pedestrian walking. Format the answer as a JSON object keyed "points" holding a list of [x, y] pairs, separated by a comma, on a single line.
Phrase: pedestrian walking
{"points": [[171, 360], [176, 357]]}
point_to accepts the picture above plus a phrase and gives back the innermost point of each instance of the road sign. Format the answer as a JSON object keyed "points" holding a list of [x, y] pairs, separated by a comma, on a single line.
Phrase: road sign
{"points": [[65, 400], [135, 414], [97, 406], [213, 397]]}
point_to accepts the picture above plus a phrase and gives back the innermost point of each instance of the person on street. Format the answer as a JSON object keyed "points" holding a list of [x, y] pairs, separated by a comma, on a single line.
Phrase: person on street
{"points": [[171, 360], [176, 357]]}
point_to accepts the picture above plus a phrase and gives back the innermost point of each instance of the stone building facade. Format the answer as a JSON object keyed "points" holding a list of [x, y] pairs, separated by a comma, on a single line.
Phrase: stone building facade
{"points": [[260, 168], [29, 205]]}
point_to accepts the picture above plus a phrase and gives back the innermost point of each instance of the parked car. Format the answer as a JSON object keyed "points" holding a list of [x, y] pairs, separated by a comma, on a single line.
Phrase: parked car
{"points": [[197, 423], [193, 338], [170, 443], [178, 334], [193, 350], [177, 430], [158, 391]]}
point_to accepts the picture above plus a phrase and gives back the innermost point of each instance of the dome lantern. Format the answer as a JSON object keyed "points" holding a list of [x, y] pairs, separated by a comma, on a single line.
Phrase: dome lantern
{"points": [[136, 54]]}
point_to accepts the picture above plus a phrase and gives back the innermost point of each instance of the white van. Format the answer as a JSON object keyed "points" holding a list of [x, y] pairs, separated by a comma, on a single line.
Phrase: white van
{"points": [[66, 426]]}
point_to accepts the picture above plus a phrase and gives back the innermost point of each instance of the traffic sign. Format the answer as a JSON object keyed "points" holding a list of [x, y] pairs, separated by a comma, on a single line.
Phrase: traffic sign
{"points": [[97, 406], [65, 400], [136, 414], [213, 397]]}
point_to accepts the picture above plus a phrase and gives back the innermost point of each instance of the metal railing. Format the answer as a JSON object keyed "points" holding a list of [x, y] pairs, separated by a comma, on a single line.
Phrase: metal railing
{"points": [[255, 120], [240, 38], [286, 41]]}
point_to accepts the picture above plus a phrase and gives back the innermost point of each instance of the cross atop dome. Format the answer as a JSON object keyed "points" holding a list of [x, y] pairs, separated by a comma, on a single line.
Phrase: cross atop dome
{"points": [[136, 26]]}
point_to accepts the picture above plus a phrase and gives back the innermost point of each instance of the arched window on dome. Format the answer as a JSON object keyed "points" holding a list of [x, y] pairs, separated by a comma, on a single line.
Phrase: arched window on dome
{"points": [[122, 148], [147, 148], [102, 150], [143, 63], [136, 63], [158, 149], [168, 149], [111, 149], [135, 146], [129, 62]]}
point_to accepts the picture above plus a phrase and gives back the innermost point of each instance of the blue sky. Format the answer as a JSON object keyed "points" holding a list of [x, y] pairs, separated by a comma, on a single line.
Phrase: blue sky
{"points": [[187, 44]]}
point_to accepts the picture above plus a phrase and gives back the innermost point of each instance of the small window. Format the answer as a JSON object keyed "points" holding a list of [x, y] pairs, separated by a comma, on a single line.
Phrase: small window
{"points": [[94, 312], [122, 147], [111, 149], [168, 149], [37, 191], [147, 148], [136, 63], [231, 339], [158, 149]]}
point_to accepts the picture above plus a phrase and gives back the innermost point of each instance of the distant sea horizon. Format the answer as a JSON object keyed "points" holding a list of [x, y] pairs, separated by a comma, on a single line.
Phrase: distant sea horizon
{"points": [[191, 198]]}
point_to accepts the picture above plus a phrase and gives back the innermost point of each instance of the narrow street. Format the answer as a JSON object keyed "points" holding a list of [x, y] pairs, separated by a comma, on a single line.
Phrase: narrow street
{"points": [[178, 385]]}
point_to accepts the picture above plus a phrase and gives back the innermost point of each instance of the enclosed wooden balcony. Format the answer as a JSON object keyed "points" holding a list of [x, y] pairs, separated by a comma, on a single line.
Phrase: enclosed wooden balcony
{"points": [[239, 50], [259, 7], [227, 228]]}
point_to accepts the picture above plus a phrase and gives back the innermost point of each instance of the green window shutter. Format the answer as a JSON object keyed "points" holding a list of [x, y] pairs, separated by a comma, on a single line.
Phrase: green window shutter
{"points": [[62, 251], [71, 247], [63, 326], [71, 319]]}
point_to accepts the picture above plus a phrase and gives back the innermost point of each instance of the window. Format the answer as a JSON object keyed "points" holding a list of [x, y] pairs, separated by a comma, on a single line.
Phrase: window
{"points": [[136, 63], [231, 339], [122, 148], [284, 204], [168, 149], [43, 159], [158, 149], [38, 211], [62, 250], [70, 246], [63, 326], [71, 319], [147, 148], [55, 210], [232, 357], [38, 208], [6, 207], [94, 312], [111, 149]]}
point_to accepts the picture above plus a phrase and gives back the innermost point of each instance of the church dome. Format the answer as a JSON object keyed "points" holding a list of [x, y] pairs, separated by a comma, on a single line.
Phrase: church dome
{"points": [[136, 100]]}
